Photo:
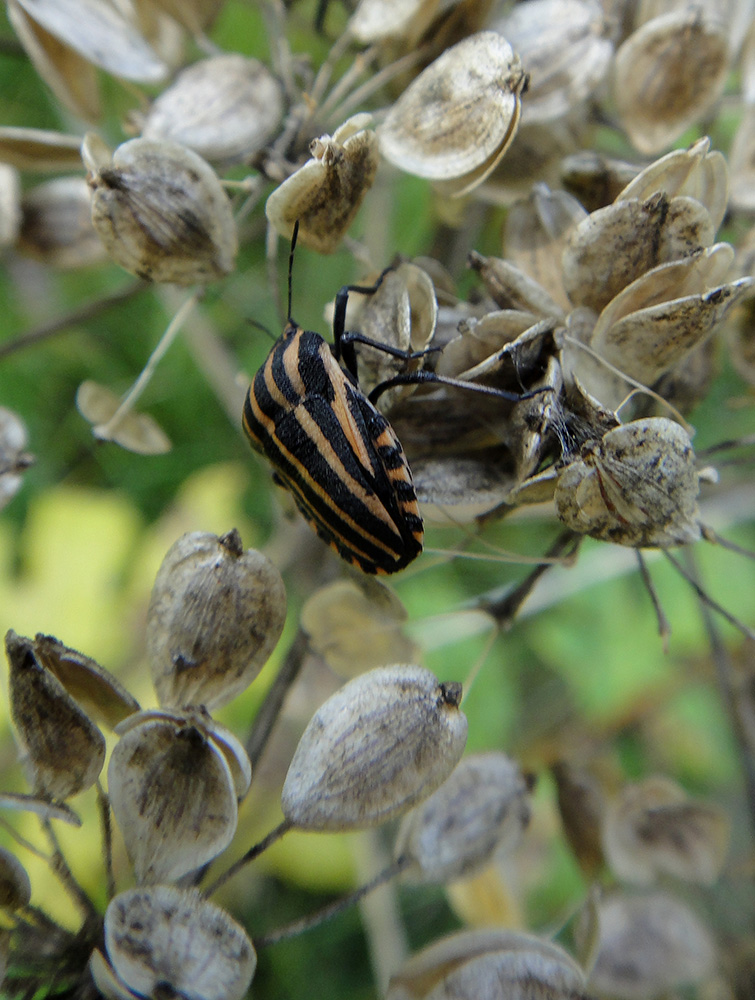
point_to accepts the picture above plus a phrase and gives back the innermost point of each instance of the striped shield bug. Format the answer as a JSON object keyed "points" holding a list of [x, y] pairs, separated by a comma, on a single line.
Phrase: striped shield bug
{"points": [[332, 448]]}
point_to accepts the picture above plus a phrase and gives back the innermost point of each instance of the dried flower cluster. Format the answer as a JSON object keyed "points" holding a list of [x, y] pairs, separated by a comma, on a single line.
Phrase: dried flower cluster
{"points": [[560, 372]]}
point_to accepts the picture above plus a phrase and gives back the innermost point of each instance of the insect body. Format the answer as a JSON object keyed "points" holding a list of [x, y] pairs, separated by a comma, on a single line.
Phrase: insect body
{"points": [[337, 455]]}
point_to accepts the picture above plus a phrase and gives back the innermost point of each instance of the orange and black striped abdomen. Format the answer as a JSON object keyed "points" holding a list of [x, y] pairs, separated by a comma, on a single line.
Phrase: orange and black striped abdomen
{"points": [[336, 453]]}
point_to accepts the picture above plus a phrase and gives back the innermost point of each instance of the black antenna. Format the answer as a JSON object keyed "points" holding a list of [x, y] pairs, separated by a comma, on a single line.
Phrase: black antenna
{"points": [[291, 266]]}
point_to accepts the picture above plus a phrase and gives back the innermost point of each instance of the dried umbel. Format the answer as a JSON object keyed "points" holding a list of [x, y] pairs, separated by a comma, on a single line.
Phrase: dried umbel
{"points": [[39, 149], [224, 108], [648, 945], [480, 811], [380, 744], [215, 616], [453, 124], [652, 829], [64, 750], [164, 941], [325, 193], [14, 459], [173, 793], [161, 211], [494, 964]]}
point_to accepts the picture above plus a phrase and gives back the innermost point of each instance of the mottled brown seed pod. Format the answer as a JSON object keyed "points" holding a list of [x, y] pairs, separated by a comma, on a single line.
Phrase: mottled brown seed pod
{"points": [[161, 211], [324, 194], [637, 486], [165, 941], [385, 741], [224, 108], [214, 618], [479, 811], [494, 964], [173, 795], [453, 124], [56, 225], [64, 750], [649, 944], [653, 829]]}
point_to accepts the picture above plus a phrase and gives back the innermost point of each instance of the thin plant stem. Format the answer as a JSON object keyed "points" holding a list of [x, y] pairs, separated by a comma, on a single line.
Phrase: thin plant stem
{"points": [[270, 709], [504, 609], [105, 431], [63, 323], [376, 81], [23, 842], [708, 600], [60, 867], [333, 909], [103, 802], [730, 696], [638, 386], [254, 852], [478, 665], [664, 626]]}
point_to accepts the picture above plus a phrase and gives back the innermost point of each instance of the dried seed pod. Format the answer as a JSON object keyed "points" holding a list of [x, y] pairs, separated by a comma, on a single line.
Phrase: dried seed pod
{"points": [[696, 172], [456, 120], [173, 795], [223, 739], [66, 39], [594, 179], [14, 460], [479, 811], [64, 750], [668, 73], [581, 808], [383, 742], [215, 616], [165, 941], [10, 205], [401, 314], [225, 108], [535, 235], [15, 887], [648, 945], [136, 432], [94, 688], [101, 34], [511, 288], [563, 45], [652, 340], [651, 829], [161, 211], [495, 964], [39, 149], [56, 225], [356, 625], [636, 486], [615, 245], [324, 194]]}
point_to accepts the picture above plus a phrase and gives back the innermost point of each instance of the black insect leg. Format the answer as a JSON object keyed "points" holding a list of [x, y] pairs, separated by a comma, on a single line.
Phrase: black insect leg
{"points": [[417, 378]]}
